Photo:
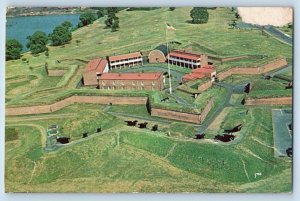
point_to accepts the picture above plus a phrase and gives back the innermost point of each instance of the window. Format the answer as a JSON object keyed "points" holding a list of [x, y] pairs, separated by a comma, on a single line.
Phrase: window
{"points": [[142, 83], [133, 83], [114, 82], [122, 83], [103, 82], [153, 83]]}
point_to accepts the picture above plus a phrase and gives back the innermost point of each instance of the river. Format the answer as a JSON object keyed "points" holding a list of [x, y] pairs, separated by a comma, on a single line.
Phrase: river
{"points": [[20, 27]]}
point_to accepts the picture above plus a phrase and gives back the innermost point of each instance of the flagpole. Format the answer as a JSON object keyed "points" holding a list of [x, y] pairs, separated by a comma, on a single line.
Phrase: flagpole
{"points": [[169, 71]]}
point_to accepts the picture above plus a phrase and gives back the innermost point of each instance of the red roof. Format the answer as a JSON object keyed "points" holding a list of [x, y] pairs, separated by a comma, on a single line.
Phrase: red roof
{"points": [[125, 56], [193, 76], [199, 73], [97, 65], [184, 54], [205, 69], [131, 76]]}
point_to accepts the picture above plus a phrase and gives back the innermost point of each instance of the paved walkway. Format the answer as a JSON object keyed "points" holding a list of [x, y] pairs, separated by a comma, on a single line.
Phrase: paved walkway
{"points": [[279, 35], [282, 135], [279, 71]]}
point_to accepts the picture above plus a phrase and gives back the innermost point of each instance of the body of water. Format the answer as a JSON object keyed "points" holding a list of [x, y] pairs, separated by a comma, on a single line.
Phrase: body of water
{"points": [[20, 27]]}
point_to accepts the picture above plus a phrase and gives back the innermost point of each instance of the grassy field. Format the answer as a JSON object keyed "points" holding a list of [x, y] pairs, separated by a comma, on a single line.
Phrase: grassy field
{"points": [[129, 159], [261, 88]]}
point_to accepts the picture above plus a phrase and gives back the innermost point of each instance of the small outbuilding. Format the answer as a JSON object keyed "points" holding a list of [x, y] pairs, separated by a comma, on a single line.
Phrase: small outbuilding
{"points": [[156, 56]]}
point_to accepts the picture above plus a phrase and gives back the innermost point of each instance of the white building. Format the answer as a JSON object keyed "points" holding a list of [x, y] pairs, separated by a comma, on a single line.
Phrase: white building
{"points": [[125, 60]]}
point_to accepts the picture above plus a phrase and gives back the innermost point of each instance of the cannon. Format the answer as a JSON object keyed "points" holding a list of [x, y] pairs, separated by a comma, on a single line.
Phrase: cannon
{"points": [[63, 140], [199, 136], [154, 128], [131, 123], [143, 125]]}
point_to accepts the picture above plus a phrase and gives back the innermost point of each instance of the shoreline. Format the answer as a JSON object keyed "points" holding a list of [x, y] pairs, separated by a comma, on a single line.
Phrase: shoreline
{"points": [[36, 11], [42, 14]]}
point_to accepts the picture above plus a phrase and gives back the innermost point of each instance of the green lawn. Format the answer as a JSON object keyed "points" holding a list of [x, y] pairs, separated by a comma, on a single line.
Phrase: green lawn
{"points": [[138, 110], [125, 156], [261, 88]]}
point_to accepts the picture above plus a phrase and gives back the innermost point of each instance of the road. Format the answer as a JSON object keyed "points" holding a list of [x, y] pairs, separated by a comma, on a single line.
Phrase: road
{"points": [[279, 35]]}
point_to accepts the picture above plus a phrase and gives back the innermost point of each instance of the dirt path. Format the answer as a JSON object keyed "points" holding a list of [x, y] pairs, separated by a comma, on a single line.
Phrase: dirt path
{"points": [[253, 154], [257, 140], [171, 150], [245, 170], [33, 171], [216, 124]]}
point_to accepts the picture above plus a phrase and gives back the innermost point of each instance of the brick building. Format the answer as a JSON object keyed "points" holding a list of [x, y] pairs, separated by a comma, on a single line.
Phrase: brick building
{"points": [[93, 69], [125, 60], [187, 59], [131, 81], [207, 71]]}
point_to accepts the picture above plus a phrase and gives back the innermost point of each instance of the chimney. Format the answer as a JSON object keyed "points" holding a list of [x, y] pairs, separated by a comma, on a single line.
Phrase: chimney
{"points": [[204, 60]]}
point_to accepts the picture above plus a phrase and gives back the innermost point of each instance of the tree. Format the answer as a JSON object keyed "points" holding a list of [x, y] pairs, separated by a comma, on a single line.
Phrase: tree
{"points": [[67, 24], [115, 25], [61, 34], [37, 42], [171, 8], [86, 18], [112, 10], [199, 15], [112, 21], [13, 49], [101, 12]]}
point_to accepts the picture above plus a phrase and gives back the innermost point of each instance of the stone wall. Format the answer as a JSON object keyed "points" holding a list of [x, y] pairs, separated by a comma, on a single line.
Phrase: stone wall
{"points": [[204, 86], [104, 100], [180, 116], [272, 65], [75, 99], [56, 72], [207, 109], [238, 71], [270, 101]]}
